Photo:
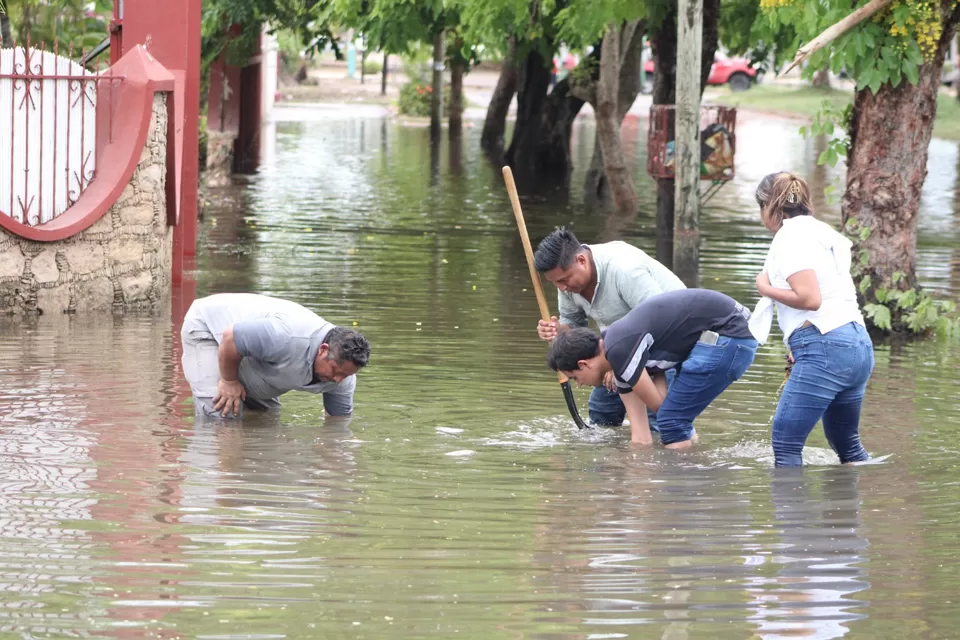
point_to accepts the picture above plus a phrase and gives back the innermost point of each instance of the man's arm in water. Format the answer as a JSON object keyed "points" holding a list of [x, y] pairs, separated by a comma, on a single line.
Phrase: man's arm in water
{"points": [[230, 392]]}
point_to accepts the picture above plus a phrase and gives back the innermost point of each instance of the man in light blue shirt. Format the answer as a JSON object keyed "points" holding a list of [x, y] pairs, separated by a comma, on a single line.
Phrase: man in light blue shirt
{"points": [[242, 350], [599, 282]]}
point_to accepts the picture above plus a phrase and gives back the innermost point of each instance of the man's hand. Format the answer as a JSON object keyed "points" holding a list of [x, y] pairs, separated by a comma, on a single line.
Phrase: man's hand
{"points": [[609, 381], [548, 330], [229, 398]]}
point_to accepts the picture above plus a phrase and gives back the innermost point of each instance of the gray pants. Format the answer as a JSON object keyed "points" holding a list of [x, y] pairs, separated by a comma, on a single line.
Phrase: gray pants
{"points": [[201, 368]]}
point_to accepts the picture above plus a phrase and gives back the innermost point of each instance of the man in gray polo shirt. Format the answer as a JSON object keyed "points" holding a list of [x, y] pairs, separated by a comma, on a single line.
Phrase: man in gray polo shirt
{"points": [[246, 350], [599, 282]]}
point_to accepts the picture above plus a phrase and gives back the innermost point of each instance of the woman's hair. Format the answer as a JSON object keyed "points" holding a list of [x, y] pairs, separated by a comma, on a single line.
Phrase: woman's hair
{"points": [[783, 195]]}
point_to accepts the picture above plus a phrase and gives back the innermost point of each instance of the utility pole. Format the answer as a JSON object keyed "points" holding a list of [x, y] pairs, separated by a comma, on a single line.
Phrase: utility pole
{"points": [[686, 234]]}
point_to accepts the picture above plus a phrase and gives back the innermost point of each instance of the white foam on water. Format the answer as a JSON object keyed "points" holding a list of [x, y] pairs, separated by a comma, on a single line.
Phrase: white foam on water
{"points": [[550, 432], [451, 431], [877, 460], [461, 453], [762, 454]]}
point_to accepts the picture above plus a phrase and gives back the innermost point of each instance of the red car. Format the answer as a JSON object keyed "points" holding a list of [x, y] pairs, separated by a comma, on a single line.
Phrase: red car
{"points": [[736, 72]]}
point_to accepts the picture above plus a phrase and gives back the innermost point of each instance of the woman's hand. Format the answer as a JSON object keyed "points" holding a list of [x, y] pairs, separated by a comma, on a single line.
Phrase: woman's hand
{"points": [[763, 284]]}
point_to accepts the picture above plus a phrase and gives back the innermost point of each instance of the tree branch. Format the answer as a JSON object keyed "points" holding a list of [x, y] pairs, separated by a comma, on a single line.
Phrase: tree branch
{"points": [[835, 31], [626, 36]]}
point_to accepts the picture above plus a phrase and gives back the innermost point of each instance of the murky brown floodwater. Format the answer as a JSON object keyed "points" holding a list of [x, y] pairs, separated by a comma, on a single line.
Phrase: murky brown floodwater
{"points": [[460, 501]]}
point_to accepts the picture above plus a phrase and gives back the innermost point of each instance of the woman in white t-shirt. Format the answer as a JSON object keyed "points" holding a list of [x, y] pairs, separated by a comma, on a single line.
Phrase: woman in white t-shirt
{"points": [[807, 275]]}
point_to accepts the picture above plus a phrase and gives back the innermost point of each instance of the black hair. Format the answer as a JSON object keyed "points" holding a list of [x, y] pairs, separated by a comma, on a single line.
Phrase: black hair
{"points": [[570, 347], [557, 250], [348, 345]]}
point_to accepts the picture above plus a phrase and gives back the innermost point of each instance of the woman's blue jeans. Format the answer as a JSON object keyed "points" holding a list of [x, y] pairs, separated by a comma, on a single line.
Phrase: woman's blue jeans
{"points": [[828, 381], [707, 371]]}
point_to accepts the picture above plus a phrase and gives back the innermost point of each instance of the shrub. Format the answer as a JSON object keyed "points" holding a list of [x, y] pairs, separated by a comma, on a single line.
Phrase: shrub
{"points": [[372, 67], [415, 99]]}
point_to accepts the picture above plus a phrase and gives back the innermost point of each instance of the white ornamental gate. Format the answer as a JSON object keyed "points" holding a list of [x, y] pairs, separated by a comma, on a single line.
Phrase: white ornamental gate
{"points": [[48, 133]]}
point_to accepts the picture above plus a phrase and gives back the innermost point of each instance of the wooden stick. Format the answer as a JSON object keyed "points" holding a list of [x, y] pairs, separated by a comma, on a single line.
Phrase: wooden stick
{"points": [[528, 250], [835, 31]]}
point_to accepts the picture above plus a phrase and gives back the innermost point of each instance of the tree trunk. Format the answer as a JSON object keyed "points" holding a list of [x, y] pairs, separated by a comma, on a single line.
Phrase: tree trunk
{"points": [[596, 184], [436, 101], [531, 100], [821, 78], [553, 162], [495, 124], [539, 151], [596, 189], [664, 45], [664, 48], [889, 137], [383, 77], [6, 38], [457, 68], [609, 117]]}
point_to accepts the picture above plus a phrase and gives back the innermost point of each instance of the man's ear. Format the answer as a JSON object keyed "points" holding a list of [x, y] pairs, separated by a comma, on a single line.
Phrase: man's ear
{"points": [[323, 351], [582, 364], [581, 259]]}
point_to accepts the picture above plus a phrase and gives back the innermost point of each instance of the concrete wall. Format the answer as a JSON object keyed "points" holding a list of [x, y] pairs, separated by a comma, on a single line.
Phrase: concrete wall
{"points": [[122, 262]]}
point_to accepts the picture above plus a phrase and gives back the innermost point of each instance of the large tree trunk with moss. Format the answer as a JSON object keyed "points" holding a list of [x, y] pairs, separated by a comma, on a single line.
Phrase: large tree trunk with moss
{"points": [[495, 123], [887, 164], [617, 87], [664, 45]]}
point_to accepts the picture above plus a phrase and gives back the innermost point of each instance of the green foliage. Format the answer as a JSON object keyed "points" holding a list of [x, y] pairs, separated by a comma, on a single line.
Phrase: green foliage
{"points": [[290, 47], [66, 22], [233, 26], [826, 122], [372, 66], [744, 30], [394, 25], [887, 49], [584, 71], [416, 62], [583, 22], [415, 98], [896, 305]]}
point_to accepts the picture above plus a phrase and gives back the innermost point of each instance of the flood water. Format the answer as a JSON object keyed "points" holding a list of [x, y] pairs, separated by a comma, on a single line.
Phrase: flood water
{"points": [[460, 500]]}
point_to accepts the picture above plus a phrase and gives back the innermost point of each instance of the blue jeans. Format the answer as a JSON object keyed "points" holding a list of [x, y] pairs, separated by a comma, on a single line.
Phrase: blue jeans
{"points": [[828, 381], [607, 410], [707, 371]]}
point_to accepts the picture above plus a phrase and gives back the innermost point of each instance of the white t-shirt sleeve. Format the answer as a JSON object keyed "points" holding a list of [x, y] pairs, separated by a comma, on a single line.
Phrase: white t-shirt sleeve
{"points": [[794, 257]]}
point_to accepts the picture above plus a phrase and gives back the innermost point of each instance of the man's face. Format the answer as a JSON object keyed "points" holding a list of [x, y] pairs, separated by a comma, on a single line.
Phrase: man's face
{"points": [[327, 369], [574, 278], [590, 373]]}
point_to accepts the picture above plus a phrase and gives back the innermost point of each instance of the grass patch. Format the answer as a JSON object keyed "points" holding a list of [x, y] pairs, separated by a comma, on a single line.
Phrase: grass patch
{"points": [[947, 124], [805, 102], [795, 101]]}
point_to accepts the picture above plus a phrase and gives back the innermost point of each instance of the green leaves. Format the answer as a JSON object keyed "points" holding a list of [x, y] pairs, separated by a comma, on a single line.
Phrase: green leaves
{"points": [[882, 50], [879, 315]]}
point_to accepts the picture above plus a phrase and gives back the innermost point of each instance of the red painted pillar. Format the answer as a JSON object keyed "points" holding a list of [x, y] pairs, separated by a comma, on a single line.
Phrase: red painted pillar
{"points": [[171, 32]]}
